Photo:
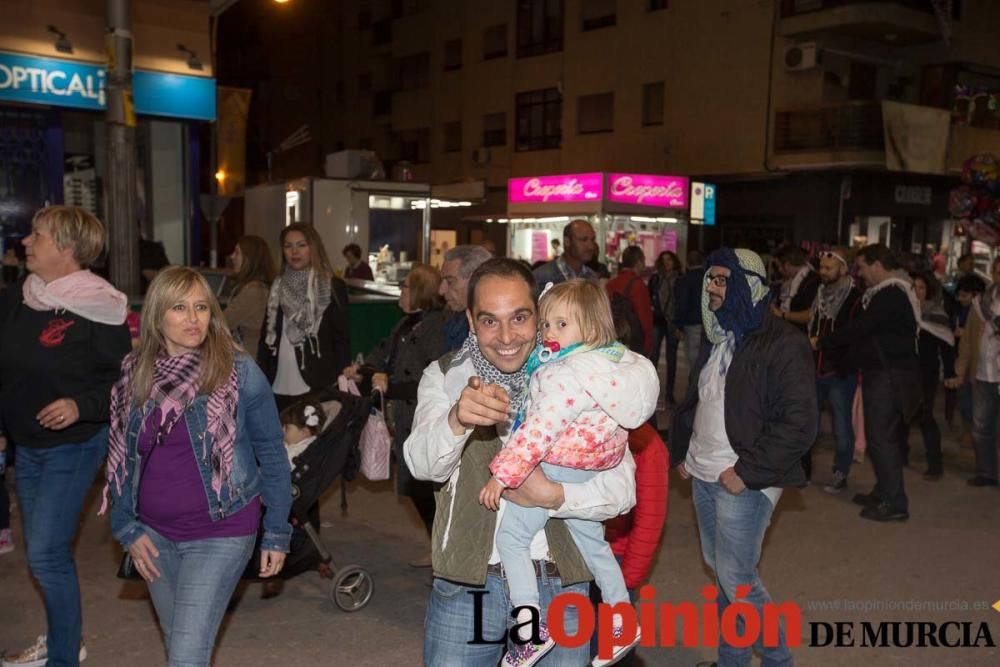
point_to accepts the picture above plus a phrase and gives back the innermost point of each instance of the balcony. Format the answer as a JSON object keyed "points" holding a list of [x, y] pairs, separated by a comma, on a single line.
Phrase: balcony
{"points": [[841, 135], [893, 22], [851, 136]]}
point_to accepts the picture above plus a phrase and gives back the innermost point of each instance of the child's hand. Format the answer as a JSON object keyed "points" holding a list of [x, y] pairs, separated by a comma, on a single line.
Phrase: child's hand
{"points": [[489, 497]]}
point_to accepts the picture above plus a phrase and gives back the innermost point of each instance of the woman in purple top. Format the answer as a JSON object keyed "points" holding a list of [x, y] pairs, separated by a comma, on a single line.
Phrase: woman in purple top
{"points": [[195, 460]]}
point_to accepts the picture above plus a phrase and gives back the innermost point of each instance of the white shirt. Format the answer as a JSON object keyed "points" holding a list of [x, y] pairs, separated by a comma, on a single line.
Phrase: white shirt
{"points": [[288, 378], [987, 369], [710, 452], [434, 453]]}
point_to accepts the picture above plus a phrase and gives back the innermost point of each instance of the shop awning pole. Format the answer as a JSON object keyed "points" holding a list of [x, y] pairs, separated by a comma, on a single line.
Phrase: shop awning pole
{"points": [[123, 227]]}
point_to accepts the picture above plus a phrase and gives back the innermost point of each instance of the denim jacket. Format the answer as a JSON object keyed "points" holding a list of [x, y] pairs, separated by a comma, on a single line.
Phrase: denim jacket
{"points": [[260, 465]]}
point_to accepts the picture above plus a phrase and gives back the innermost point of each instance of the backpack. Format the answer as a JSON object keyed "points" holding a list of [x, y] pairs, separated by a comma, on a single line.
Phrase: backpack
{"points": [[627, 321]]}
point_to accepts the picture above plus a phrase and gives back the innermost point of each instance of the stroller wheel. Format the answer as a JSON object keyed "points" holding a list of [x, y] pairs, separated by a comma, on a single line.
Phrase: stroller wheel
{"points": [[352, 588]]}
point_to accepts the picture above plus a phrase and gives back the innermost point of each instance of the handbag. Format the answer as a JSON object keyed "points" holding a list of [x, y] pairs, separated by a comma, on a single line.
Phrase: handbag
{"points": [[375, 443]]}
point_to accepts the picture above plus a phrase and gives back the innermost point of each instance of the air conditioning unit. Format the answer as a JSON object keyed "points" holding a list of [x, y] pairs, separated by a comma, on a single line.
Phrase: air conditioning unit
{"points": [[802, 57], [481, 155]]}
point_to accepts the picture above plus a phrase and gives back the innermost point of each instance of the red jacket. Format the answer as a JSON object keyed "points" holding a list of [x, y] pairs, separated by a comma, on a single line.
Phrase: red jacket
{"points": [[641, 303], [635, 537]]}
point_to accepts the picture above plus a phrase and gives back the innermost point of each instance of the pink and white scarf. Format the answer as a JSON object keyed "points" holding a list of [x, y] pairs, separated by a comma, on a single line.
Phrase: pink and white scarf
{"points": [[81, 293], [175, 386]]}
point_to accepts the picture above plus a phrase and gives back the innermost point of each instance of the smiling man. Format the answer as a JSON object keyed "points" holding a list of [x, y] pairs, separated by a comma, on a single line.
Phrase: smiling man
{"points": [[463, 415]]}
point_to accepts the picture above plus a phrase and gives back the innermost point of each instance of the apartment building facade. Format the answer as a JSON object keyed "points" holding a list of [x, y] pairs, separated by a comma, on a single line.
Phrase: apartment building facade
{"points": [[777, 101]]}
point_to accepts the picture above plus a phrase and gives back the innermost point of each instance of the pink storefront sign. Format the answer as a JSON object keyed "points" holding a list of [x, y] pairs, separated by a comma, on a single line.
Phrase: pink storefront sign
{"points": [[648, 190], [556, 189]]}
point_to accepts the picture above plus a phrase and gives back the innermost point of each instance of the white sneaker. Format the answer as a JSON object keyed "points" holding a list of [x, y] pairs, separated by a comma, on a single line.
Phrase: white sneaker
{"points": [[620, 651], [36, 655]]}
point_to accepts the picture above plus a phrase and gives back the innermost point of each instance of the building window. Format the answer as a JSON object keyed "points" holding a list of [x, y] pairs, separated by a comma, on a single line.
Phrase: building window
{"points": [[654, 5], [412, 72], [382, 103], [539, 120], [495, 129], [453, 136], [415, 145], [364, 84], [382, 32], [364, 19], [401, 8], [539, 27], [452, 55], [495, 42], [596, 14], [652, 103], [595, 113]]}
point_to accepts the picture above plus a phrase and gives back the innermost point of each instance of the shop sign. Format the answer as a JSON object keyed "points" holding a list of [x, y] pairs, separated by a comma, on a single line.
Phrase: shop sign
{"points": [[702, 203], [912, 194], [648, 190], [66, 83], [556, 189]]}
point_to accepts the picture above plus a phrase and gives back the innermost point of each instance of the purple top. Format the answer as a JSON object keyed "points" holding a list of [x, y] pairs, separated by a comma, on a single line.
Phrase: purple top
{"points": [[172, 498]]}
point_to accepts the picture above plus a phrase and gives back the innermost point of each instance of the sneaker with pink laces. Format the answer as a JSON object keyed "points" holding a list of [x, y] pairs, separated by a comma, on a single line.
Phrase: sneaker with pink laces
{"points": [[524, 655], [6, 541]]}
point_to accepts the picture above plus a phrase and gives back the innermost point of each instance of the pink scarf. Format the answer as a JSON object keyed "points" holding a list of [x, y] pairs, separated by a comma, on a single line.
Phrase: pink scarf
{"points": [[175, 386], [81, 293]]}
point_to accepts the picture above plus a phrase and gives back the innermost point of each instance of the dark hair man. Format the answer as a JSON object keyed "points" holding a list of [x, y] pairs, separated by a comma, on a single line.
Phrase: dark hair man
{"points": [[629, 283], [463, 412], [687, 312], [882, 342], [356, 269], [798, 286]]}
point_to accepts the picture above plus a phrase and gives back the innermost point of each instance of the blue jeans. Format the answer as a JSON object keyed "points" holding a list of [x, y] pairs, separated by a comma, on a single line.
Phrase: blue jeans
{"points": [[985, 404], [449, 625], [52, 484], [519, 527], [840, 393], [197, 578], [732, 529]]}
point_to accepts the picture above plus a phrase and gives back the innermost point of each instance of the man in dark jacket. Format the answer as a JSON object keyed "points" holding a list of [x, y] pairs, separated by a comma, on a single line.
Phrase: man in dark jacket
{"points": [[688, 309], [835, 305], [748, 417], [882, 342]]}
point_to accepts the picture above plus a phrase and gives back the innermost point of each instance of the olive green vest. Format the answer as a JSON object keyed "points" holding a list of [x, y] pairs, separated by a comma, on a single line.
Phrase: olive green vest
{"points": [[470, 526]]}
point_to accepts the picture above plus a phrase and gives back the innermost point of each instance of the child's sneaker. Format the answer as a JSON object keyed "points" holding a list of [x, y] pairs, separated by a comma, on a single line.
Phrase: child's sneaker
{"points": [[6, 542], [620, 651], [524, 655]]}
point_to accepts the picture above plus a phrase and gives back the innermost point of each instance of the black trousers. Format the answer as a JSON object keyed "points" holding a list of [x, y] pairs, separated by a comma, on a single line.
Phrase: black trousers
{"points": [[884, 417], [929, 383]]}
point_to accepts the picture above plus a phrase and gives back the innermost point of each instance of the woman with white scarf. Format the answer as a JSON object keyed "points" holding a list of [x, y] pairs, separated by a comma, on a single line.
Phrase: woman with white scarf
{"points": [[305, 341]]}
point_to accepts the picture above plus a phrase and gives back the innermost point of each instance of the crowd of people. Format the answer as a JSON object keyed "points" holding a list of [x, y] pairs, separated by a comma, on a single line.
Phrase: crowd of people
{"points": [[523, 406]]}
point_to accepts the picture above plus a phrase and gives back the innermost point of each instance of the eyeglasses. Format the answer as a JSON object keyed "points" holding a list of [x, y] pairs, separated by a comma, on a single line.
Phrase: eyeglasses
{"points": [[718, 281], [827, 254]]}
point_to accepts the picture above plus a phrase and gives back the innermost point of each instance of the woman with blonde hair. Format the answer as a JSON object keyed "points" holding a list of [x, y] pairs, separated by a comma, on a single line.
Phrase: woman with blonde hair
{"points": [[195, 457], [62, 339], [251, 285], [306, 338], [398, 363]]}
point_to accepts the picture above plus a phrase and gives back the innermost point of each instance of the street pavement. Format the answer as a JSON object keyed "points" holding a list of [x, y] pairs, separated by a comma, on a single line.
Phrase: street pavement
{"points": [[818, 553]]}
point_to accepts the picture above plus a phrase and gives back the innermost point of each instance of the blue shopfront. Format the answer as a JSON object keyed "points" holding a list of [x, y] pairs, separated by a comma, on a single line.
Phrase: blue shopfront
{"points": [[53, 146]]}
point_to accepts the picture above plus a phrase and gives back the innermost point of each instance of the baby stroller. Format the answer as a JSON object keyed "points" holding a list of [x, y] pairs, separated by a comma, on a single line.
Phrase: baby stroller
{"points": [[333, 454]]}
